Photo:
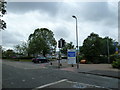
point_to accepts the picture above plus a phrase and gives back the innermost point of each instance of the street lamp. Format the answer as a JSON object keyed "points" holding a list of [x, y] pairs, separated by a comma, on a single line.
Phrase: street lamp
{"points": [[76, 41], [108, 50]]}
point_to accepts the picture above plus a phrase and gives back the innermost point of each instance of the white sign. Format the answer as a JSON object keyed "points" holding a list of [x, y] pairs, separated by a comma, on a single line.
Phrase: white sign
{"points": [[71, 56]]}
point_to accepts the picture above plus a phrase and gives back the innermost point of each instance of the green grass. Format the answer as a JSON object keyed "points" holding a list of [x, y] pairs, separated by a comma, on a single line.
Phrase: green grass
{"points": [[22, 60], [25, 60]]}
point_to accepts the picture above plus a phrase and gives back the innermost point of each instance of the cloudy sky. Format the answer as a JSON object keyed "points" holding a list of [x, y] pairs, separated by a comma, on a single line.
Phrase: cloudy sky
{"points": [[23, 18]]}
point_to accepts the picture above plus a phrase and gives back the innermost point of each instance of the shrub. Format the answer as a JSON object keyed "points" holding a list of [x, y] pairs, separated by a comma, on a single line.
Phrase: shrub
{"points": [[116, 64]]}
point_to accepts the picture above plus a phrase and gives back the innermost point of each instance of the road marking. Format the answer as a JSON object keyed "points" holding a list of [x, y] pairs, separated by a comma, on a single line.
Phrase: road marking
{"points": [[90, 85], [43, 86], [23, 80], [33, 78], [12, 83]]}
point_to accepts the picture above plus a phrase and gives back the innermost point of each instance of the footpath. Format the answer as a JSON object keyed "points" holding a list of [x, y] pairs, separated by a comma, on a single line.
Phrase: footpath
{"points": [[95, 69]]}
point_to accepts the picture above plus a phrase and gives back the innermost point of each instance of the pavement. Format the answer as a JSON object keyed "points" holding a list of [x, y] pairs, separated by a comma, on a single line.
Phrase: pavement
{"points": [[95, 69]]}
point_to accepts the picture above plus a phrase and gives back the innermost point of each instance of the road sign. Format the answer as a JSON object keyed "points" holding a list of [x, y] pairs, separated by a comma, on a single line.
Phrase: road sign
{"points": [[71, 56]]}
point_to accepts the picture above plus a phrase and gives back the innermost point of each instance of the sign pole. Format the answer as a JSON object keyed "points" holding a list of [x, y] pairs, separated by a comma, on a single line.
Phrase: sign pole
{"points": [[59, 59]]}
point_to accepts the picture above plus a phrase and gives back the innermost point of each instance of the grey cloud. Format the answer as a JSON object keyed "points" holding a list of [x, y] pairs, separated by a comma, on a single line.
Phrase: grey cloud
{"points": [[61, 32], [23, 7], [96, 11], [99, 11], [90, 12], [11, 38]]}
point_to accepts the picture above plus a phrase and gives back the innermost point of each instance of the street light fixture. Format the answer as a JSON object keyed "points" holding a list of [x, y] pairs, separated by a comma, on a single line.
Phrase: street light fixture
{"points": [[76, 41]]}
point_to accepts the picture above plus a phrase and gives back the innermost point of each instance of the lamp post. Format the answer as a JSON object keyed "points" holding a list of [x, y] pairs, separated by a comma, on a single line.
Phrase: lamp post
{"points": [[76, 41], [108, 50]]}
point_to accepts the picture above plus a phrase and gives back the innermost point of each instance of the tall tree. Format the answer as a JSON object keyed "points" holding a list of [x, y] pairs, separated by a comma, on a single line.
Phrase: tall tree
{"points": [[2, 12], [94, 47], [22, 49], [41, 41], [8, 53], [66, 47], [107, 43], [91, 46]]}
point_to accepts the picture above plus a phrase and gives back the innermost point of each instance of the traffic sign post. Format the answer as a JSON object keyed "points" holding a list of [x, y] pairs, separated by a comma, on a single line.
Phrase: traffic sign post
{"points": [[71, 56], [61, 44]]}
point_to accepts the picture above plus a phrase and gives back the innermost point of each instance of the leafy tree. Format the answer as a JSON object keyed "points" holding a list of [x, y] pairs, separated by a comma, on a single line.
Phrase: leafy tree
{"points": [[42, 41], [90, 47], [2, 12], [22, 49], [18, 49], [95, 48], [105, 42], [66, 47], [8, 53]]}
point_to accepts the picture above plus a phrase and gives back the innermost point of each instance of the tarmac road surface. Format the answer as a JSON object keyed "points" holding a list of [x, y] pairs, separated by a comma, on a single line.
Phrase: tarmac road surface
{"points": [[30, 75]]}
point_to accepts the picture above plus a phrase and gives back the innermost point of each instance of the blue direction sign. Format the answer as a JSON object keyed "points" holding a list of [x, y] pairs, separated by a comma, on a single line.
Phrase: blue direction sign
{"points": [[71, 54]]}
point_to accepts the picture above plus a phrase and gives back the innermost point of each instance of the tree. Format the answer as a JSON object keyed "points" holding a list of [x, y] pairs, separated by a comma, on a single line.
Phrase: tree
{"points": [[66, 47], [42, 41], [105, 42], [8, 53], [2, 12], [95, 48], [91, 48], [18, 49], [22, 49]]}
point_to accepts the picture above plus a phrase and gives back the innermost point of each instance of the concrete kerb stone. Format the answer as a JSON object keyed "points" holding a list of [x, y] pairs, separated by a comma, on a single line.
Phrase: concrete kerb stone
{"points": [[100, 74]]}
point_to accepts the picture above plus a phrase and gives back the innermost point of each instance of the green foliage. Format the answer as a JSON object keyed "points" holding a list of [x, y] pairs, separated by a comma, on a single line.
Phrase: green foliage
{"points": [[116, 64], [80, 57], [66, 47], [95, 48], [90, 47], [42, 41], [21, 49], [8, 53], [2, 12]]}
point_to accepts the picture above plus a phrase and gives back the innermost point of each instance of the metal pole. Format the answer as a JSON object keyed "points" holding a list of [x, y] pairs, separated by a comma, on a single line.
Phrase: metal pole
{"points": [[76, 42], [59, 59], [108, 51]]}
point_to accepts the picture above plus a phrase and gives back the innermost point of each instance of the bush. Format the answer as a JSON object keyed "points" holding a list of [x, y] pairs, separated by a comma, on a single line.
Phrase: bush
{"points": [[116, 64], [24, 57], [80, 57], [103, 59]]}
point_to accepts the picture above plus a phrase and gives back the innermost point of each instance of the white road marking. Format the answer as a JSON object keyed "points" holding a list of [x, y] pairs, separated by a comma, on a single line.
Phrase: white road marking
{"points": [[23, 80], [33, 78], [86, 84], [11, 83], [51, 84]]}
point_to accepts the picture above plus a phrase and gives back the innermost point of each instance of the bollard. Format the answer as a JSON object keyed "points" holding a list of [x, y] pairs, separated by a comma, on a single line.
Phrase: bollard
{"points": [[72, 65], [51, 63], [60, 64]]}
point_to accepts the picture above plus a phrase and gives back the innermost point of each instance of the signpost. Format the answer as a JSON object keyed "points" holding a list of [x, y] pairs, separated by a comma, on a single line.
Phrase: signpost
{"points": [[61, 44], [72, 56]]}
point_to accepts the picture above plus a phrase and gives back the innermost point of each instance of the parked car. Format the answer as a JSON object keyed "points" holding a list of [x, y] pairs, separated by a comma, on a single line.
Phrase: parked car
{"points": [[83, 61], [49, 57], [39, 60]]}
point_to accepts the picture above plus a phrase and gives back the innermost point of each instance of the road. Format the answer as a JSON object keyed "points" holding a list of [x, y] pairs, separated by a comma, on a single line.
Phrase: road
{"points": [[17, 74]]}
